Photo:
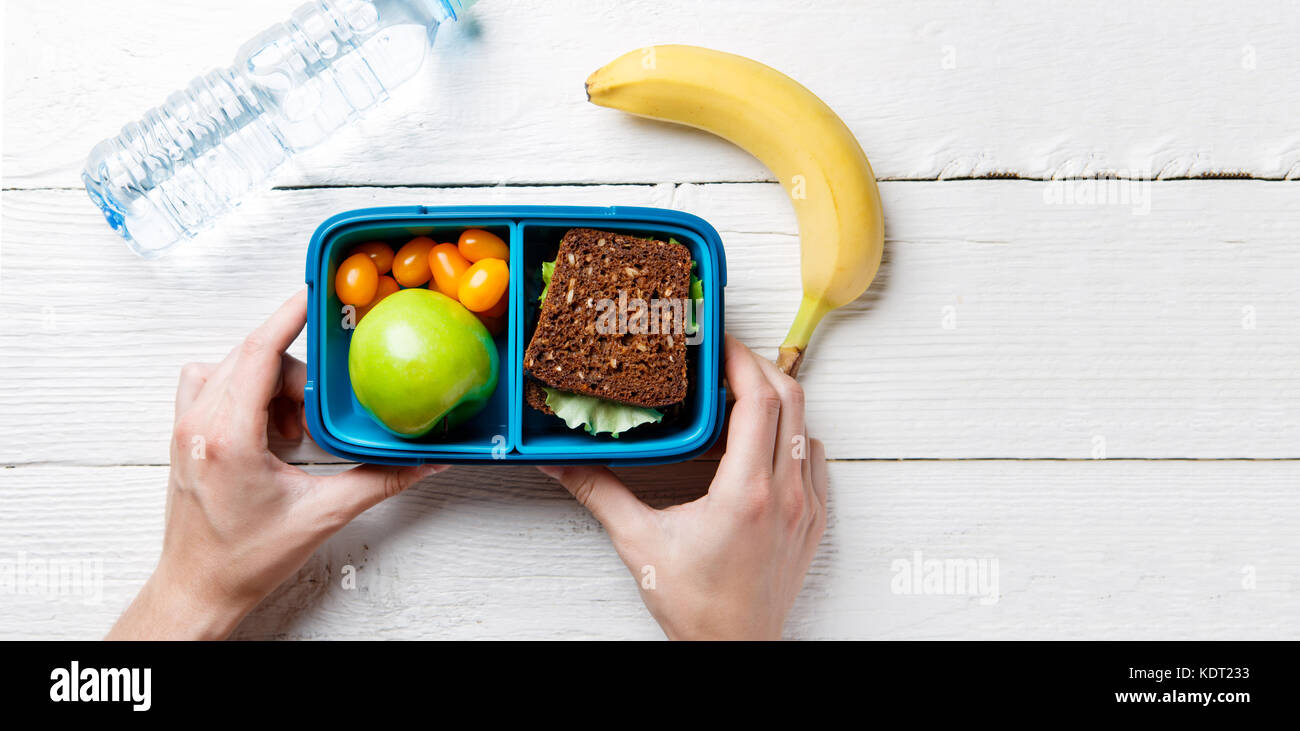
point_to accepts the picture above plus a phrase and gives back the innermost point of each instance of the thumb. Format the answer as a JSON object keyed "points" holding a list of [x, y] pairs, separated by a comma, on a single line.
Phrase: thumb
{"points": [[601, 492], [344, 496]]}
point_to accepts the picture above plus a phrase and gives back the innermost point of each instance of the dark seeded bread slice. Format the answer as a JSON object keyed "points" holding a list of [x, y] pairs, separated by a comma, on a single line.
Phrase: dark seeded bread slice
{"points": [[535, 397], [568, 351]]}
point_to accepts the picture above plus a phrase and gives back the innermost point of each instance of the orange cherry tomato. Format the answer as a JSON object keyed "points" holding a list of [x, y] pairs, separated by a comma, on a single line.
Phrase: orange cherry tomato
{"points": [[484, 284], [499, 309], [411, 265], [494, 325], [387, 286], [357, 280], [477, 244], [379, 252], [448, 267]]}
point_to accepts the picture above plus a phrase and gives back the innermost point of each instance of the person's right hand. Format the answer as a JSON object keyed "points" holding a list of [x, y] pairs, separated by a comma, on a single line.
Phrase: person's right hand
{"points": [[730, 564]]}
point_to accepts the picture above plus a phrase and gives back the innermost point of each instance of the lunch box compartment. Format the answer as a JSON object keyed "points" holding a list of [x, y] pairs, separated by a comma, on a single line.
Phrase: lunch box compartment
{"points": [[342, 415], [507, 429], [545, 435]]}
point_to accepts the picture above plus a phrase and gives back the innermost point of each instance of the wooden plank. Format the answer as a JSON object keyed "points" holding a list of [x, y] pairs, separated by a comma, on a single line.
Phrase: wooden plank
{"points": [[92, 351], [1084, 550], [1000, 326], [1012, 324], [932, 89]]}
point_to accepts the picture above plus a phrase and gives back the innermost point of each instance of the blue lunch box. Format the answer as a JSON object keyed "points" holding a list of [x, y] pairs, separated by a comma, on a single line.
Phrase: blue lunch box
{"points": [[508, 429]]}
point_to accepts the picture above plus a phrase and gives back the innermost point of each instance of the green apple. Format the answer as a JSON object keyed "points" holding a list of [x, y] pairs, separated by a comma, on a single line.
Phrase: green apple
{"points": [[420, 356]]}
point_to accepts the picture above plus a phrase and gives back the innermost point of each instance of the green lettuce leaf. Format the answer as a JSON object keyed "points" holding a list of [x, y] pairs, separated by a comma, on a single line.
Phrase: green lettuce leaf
{"points": [[548, 268], [697, 294], [598, 415]]}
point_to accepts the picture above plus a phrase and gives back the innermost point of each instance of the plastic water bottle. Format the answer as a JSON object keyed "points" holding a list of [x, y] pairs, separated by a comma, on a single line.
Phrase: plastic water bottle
{"points": [[170, 174]]}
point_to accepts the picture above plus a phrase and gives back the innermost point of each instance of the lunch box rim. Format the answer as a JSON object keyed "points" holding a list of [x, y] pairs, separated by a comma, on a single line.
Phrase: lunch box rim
{"points": [[698, 442]]}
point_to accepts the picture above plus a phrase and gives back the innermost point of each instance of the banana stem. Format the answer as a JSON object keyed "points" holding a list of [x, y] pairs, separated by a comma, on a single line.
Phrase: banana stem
{"points": [[811, 311], [789, 359]]}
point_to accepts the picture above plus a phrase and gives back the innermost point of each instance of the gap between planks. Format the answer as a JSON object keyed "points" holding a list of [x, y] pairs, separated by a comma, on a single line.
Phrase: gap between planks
{"points": [[1216, 178]]}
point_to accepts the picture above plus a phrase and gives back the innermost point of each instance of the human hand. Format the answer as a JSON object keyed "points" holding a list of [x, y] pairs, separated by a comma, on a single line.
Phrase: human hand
{"points": [[730, 564], [239, 521]]}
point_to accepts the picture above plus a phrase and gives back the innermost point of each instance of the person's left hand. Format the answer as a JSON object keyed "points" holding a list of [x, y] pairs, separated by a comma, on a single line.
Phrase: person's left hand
{"points": [[239, 521]]}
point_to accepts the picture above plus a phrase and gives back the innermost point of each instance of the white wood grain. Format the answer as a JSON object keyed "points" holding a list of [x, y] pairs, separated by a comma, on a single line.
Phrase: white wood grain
{"points": [[1095, 550], [933, 89], [1075, 328], [1076, 331]]}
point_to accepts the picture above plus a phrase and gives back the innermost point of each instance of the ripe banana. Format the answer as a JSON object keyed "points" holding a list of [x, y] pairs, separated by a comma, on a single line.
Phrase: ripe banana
{"points": [[800, 139]]}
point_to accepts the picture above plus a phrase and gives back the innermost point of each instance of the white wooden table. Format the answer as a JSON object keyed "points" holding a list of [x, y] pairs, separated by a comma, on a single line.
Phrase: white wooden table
{"points": [[1103, 397]]}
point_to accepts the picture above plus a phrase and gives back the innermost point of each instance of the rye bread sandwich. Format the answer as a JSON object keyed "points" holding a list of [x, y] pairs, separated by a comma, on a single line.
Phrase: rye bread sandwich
{"points": [[609, 350]]}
